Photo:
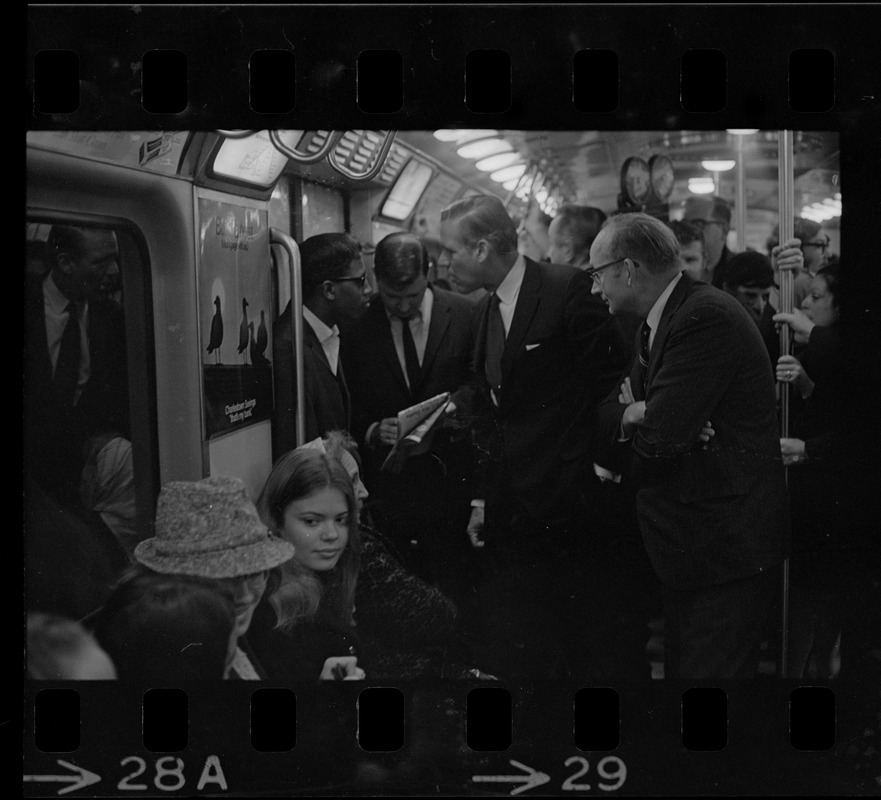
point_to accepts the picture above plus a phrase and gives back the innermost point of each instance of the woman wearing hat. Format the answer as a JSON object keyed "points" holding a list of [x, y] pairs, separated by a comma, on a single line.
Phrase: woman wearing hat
{"points": [[211, 530], [304, 628]]}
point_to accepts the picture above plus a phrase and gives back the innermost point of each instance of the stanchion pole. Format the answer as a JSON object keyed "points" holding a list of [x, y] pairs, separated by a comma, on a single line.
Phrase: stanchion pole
{"points": [[786, 228]]}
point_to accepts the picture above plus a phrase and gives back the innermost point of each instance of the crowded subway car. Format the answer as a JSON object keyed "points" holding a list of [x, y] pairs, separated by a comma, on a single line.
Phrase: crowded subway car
{"points": [[245, 303]]}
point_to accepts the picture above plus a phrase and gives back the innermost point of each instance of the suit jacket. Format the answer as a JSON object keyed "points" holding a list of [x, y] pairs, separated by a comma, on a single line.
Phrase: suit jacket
{"points": [[379, 390], [561, 356], [716, 512], [326, 396], [55, 431]]}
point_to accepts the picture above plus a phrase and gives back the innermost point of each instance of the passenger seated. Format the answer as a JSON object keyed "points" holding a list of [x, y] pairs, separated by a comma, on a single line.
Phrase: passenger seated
{"points": [[304, 630], [210, 530], [107, 488], [59, 648], [167, 629], [408, 629]]}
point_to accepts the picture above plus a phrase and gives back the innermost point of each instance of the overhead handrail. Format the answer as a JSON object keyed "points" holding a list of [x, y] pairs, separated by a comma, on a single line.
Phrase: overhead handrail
{"points": [[290, 247], [236, 134], [302, 156], [378, 161]]}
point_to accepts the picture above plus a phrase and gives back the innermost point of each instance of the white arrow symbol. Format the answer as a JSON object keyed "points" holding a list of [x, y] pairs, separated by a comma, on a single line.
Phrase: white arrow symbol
{"points": [[530, 780], [82, 778]]}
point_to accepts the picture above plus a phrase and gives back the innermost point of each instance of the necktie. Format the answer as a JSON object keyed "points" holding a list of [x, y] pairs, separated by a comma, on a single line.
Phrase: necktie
{"points": [[495, 344], [67, 368], [643, 355], [411, 357]]}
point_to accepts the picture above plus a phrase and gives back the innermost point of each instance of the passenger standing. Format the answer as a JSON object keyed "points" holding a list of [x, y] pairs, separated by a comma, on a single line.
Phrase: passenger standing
{"points": [[75, 367], [335, 291], [411, 346], [713, 514], [545, 353], [712, 215], [571, 233]]}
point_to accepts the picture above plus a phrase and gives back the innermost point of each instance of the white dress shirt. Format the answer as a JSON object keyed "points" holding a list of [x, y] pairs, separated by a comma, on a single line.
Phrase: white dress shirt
{"points": [[420, 324], [329, 338]]}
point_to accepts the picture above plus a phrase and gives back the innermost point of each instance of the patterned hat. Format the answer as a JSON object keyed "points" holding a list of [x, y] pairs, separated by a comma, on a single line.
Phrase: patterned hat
{"points": [[210, 529]]}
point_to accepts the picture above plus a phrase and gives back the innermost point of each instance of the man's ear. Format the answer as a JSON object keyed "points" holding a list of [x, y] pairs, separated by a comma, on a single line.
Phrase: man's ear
{"points": [[328, 290], [482, 249]]}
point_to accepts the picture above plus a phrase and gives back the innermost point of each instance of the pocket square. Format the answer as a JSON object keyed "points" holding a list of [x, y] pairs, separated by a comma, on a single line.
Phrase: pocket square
{"points": [[532, 346]]}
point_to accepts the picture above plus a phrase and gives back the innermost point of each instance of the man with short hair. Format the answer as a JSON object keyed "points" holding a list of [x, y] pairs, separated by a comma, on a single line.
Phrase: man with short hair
{"points": [[336, 290], [749, 278], [712, 508], [76, 365], [572, 232], [545, 352], [411, 346], [692, 253], [712, 215]]}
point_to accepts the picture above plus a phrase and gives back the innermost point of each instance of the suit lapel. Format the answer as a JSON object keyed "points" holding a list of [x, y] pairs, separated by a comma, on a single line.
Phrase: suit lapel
{"points": [[527, 306], [680, 292], [440, 323]]}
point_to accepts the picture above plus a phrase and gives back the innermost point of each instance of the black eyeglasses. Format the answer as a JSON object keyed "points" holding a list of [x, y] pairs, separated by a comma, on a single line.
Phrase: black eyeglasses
{"points": [[821, 245], [360, 279], [594, 272]]}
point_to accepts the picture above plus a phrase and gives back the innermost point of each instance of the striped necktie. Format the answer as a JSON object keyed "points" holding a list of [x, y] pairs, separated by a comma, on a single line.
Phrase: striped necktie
{"points": [[643, 355], [411, 357]]}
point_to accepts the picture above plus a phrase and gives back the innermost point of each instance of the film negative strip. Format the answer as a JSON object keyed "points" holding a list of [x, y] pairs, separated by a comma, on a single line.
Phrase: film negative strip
{"points": [[679, 69]]}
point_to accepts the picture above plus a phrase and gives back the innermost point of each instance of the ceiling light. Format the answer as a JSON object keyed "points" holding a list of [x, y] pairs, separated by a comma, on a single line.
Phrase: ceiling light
{"points": [[506, 174], [701, 185], [497, 161], [742, 131], [718, 166], [484, 147]]}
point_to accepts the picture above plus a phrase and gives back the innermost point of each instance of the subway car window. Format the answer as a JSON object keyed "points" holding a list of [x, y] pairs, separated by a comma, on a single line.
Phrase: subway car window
{"points": [[323, 210], [86, 506]]}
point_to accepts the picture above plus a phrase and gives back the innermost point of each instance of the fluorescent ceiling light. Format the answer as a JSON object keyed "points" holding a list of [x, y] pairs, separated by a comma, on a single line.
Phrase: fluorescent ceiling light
{"points": [[701, 185], [484, 147], [718, 166], [742, 131], [506, 174], [497, 161]]}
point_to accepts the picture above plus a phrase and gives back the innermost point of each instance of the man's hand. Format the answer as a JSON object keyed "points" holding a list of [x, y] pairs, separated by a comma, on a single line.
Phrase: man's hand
{"points": [[475, 527], [625, 396], [799, 323], [634, 414], [788, 255], [707, 432], [342, 668], [386, 432]]}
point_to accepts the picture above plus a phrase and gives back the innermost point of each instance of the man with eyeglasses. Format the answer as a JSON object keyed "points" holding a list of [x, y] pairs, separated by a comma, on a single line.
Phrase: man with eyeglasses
{"points": [[694, 427], [336, 291], [712, 215]]}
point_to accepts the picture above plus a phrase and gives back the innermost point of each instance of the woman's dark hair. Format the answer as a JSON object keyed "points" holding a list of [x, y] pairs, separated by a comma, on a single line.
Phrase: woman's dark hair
{"points": [[166, 628], [831, 276]]}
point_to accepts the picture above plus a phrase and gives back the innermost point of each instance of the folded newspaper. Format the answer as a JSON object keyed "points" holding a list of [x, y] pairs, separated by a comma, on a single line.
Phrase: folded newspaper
{"points": [[414, 427]]}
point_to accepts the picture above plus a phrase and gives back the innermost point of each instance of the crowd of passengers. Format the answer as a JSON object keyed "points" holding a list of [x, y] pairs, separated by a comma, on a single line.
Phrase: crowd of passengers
{"points": [[318, 578]]}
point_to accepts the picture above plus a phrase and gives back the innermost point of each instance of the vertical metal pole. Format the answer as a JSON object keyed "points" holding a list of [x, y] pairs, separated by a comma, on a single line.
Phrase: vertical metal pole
{"points": [[740, 198], [786, 222]]}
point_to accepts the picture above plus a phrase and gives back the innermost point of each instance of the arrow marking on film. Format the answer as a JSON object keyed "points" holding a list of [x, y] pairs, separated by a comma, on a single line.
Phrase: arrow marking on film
{"points": [[530, 780], [81, 778]]}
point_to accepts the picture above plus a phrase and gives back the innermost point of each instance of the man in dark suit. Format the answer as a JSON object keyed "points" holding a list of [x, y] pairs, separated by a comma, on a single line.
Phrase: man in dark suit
{"points": [[335, 291], [75, 369], [411, 346], [545, 353], [712, 507]]}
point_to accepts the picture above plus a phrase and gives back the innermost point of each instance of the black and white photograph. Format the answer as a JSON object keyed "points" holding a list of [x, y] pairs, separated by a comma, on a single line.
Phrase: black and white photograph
{"points": [[492, 387]]}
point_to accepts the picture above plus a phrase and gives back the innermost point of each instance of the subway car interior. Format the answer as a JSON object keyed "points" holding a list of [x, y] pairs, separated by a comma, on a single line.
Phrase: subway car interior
{"points": [[207, 227]]}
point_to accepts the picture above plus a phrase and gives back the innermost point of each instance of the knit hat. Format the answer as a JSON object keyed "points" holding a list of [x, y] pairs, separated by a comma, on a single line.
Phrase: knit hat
{"points": [[210, 529]]}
